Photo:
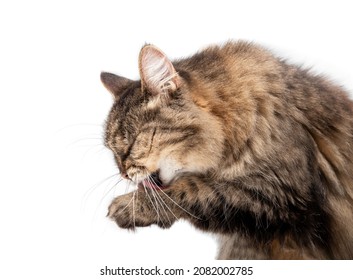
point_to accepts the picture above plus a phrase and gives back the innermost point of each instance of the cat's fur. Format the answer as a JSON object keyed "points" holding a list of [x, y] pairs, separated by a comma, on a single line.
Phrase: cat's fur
{"points": [[241, 144]]}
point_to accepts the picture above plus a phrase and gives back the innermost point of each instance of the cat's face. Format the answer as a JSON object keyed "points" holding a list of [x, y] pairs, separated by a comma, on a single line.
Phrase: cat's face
{"points": [[155, 129]]}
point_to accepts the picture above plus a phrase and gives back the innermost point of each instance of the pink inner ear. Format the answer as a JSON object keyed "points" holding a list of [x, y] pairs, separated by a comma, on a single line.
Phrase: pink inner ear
{"points": [[156, 70]]}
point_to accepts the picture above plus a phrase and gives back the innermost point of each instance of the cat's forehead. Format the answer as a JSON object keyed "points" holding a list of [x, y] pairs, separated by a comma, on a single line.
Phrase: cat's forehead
{"points": [[129, 100], [132, 95], [129, 108]]}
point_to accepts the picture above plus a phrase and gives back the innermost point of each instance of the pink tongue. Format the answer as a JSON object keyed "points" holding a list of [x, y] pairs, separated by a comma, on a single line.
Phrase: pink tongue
{"points": [[148, 184]]}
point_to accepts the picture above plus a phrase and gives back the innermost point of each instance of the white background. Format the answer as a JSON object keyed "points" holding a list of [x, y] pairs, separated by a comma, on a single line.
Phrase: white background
{"points": [[53, 192]]}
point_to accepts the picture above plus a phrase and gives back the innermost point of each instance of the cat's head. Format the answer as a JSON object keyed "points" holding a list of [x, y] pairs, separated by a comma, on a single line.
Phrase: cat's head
{"points": [[155, 129]]}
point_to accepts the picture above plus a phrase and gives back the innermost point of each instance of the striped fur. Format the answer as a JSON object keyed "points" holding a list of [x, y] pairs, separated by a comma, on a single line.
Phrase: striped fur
{"points": [[245, 145]]}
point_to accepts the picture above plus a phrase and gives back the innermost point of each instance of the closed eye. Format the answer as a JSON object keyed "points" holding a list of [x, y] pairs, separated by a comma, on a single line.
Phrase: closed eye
{"points": [[151, 145], [130, 145]]}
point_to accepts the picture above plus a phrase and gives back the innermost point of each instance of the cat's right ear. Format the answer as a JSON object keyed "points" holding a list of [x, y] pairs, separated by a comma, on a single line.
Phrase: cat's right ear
{"points": [[114, 83], [157, 72]]}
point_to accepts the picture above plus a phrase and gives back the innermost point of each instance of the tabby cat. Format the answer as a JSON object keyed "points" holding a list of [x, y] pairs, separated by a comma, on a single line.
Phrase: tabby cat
{"points": [[239, 143]]}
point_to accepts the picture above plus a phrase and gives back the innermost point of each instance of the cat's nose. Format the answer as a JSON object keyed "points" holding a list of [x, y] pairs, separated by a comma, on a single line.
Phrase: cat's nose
{"points": [[125, 175]]}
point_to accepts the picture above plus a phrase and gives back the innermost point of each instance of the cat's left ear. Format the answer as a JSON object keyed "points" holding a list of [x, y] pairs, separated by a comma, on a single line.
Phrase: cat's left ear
{"points": [[114, 83], [157, 72]]}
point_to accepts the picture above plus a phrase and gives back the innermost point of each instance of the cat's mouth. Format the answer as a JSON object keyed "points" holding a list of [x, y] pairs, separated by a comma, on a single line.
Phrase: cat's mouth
{"points": [[153, 181]]}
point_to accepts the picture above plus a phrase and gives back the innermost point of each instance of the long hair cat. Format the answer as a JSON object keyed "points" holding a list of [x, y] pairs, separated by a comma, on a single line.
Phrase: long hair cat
{"points": [[239, 143]]}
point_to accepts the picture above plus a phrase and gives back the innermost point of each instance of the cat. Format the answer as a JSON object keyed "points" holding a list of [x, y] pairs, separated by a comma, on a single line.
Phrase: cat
{"points": [[240, 143]]}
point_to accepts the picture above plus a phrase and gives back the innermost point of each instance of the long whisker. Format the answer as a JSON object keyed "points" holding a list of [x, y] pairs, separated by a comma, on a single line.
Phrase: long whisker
{"points": [[131, 200], [109, 190], [105, 195], [155, 207], [177, 204], [154, 204], [98, 150], [159, 205], [133, 209], [87, 139], [91, 142], [150, 178], [160, 202], [128, 186], [78, 124], [93, 188]]}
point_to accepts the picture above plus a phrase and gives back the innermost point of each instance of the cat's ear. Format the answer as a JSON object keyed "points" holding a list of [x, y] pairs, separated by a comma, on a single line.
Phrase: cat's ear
{"points": [[114, 83], [157, 72]]}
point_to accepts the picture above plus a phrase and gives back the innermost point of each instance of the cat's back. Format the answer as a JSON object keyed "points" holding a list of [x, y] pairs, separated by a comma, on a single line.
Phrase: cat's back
{"points": [[268, 106], [216, 63], [246, 70]]}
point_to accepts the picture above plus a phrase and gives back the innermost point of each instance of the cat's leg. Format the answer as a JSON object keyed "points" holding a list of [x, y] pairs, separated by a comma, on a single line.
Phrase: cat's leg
{"points": [[140, 209], [185, 198], [209, 206], [237, 247], [224, 208]]}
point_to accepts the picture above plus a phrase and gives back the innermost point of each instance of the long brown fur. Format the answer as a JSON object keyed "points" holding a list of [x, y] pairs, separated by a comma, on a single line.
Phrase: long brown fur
{"points": [[241, 144]]}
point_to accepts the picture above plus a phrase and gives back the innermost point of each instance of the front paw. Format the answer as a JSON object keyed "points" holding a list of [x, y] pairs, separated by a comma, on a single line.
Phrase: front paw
{"points": [[140, 210], [129, 212], [121, 210]]}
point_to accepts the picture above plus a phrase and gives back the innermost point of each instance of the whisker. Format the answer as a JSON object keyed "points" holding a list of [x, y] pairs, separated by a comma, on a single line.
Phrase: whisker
{"points": [[79, 124], [105, 195], [109, 190], [99, 150], [128, 185], [157, 202], [155, 207], [160, 202], [133, 209], [89, 192], [163, 206], [131, 200], [151, 179], [177, 204], [98, 139]]}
